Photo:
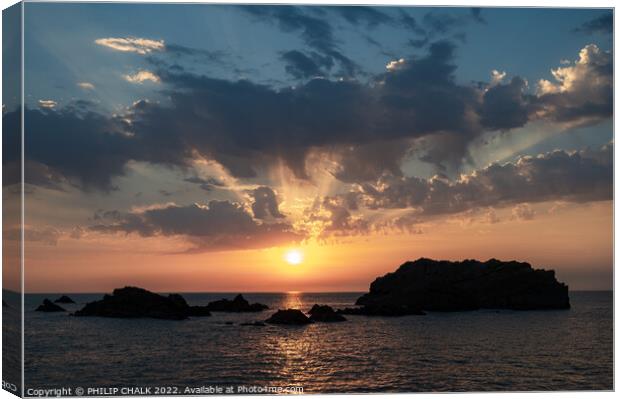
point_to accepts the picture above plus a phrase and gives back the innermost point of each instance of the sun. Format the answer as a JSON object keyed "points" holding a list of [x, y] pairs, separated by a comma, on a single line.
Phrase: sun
{"points": [[293, 257]]}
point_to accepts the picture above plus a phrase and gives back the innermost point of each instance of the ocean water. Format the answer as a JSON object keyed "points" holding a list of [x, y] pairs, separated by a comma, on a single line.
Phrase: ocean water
{"points": [[484, 350]]}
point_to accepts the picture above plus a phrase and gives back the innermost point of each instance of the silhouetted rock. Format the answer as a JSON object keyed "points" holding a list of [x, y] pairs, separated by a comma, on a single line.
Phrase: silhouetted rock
{"points": [[383, 310], [49, 306], [254, 323], [237, 305], [64, 299], [289, 316], [452, 286], [325, 313], [133, 302]]}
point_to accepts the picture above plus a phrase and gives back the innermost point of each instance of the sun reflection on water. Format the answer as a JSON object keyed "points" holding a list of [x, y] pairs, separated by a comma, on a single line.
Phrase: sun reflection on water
{"points": [[293, 300]]}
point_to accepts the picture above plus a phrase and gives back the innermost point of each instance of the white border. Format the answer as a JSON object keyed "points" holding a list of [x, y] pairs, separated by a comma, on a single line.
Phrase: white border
{"points": [[480, 3]]}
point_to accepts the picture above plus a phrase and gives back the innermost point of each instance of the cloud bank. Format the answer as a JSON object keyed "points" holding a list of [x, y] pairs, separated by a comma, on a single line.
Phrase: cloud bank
{"points": [[218, 225]]}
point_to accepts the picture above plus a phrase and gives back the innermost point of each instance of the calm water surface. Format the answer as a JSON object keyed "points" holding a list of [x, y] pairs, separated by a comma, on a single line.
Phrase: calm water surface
{"points": [[464, 351]]}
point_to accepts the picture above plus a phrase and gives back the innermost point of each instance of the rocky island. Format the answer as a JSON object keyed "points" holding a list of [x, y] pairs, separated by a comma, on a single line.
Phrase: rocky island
{"points": [[325, 314], [289, 317], [64, 299], [133, 302], [427, 284], [237, 305], [49, 306]]}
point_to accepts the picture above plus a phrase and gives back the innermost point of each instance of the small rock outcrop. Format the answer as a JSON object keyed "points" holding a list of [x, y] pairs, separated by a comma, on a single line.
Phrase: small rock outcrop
{"points": [[325, 314], [64, 299], [49, 306], [290, 317], [133, 302], [383, 310], [237, 305], [453, 286]]}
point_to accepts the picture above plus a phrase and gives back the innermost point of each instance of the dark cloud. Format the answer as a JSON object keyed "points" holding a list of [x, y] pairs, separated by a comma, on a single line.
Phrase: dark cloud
{"points": [[314, 30], [603, 24], [409, 223], [201, 54], [505, 106], [43, 235], [368, 161], [220, 225], [102, 214], [423, 98], [178, 57], [556, 176], [249, 124], [85, 147], [37, 174], [303, 66], [410, 23], [207, 184], [579, 177], [248, 127], [440, 24], [265, 203]]}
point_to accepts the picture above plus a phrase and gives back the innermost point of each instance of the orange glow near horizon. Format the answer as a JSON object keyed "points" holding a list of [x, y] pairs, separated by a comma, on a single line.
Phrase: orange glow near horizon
{"points": [[575, 240]]}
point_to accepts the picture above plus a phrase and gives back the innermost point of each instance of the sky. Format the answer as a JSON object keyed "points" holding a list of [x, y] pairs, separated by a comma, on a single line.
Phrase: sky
{"points": [[305, 148]]}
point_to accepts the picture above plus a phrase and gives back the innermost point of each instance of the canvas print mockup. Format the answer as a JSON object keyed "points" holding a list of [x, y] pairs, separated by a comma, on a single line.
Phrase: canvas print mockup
{"points": [[295, 199]]}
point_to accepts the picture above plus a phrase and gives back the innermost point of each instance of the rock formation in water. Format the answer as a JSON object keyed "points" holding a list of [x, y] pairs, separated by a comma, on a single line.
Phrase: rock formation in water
{"points": [[49, 306], [325, 314], [289, 316], [133, 302], [64, 299], [237, 305], [452, 286]]}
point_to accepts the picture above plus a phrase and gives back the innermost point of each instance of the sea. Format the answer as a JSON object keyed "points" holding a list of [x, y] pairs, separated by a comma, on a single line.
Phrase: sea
{"points": [[483, 350]]}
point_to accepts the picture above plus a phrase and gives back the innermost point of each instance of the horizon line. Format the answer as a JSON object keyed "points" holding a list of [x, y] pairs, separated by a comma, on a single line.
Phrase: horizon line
{"points": [[237, 292]]}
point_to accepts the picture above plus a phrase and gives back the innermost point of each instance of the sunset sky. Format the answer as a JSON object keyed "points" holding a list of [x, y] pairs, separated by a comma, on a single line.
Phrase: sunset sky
{"points": [[277, 148]]}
